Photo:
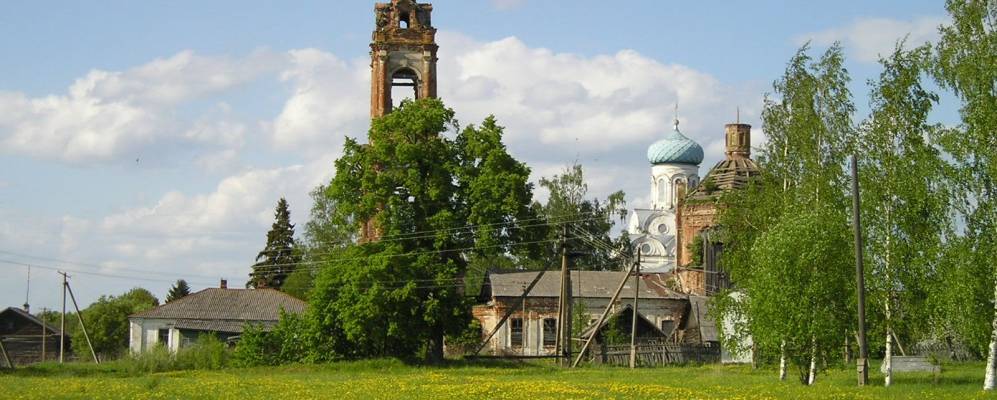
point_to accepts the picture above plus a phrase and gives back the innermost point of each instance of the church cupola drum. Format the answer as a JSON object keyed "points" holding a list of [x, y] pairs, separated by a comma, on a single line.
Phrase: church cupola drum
{"points": [[403, 53]]}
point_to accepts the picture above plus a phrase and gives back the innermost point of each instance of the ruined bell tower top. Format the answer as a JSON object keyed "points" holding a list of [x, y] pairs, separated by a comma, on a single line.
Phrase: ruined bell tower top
{"points": [[403, 53], [404, 21]]}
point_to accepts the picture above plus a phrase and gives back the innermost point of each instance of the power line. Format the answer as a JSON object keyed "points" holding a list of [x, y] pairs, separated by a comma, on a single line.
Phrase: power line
{"points": [[85, 264], [106, 275]]}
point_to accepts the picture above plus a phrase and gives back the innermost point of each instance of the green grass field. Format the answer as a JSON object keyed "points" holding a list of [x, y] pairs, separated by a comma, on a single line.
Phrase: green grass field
{"points": [[383, 379]]}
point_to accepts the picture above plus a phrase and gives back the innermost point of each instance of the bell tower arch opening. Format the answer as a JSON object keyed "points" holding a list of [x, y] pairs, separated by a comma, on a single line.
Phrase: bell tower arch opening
{"points": [[403, 54], [404, 85]]}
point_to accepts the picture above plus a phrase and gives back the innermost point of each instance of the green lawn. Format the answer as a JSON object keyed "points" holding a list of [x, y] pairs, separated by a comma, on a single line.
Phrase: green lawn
{"points": [[392, 379]]}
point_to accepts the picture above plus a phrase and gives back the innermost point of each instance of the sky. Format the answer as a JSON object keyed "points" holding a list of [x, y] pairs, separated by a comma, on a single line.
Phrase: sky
{"points": [[144, 142]]}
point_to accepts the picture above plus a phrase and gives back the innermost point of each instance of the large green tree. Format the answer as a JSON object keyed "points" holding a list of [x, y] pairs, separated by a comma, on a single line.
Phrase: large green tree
{"points": [[585, 222], [107, 323], [808, 121], [966, 64], [279, 258], [437, 203], [904, 199]]}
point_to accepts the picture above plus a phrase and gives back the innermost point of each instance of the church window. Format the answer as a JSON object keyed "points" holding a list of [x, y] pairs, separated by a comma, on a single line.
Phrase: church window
{"points": [[662, 191], [662, 228], [403, 21], [645, 248]]}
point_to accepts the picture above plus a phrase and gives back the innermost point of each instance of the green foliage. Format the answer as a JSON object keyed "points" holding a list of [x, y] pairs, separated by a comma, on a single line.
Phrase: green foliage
{"points": [[279, 258], [207, 353], [300, 282], [966, 64], [466, 341], [178, 290], [696, 250], [414, 185], [289, 341], [787, 248], [800, 290], [107, 323], [905, 200], [588, 222]]}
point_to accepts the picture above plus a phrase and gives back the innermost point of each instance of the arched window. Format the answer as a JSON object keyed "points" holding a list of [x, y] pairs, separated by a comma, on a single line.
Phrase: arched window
{"points": [[401, 79], [403, 21], [662, 191], [680, 188]]}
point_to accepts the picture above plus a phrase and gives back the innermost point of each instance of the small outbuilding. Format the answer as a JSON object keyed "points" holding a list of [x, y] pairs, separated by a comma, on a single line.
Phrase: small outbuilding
{"points": [[27, 338], [222, 312]]}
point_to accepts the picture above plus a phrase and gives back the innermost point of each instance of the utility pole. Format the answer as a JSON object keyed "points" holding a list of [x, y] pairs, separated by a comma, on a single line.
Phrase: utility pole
{"points": [[62, 320], [862, 362], [79, 315], [44, 333], [633, 323], [564, 314]]}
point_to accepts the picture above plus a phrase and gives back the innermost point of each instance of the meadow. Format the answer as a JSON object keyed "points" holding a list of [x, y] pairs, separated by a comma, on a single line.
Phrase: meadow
{"points": [[384, 379]]}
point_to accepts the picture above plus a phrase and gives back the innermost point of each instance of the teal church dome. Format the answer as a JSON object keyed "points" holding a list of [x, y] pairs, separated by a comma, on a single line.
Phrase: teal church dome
{"points": [[675, 148]]}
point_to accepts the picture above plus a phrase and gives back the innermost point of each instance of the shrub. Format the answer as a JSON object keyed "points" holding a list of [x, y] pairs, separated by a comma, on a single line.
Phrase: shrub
{"points": [[208, 352]]}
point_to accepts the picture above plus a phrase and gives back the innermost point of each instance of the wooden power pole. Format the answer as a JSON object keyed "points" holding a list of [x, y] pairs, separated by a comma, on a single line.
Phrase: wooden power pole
{"points": [[62, 320], [564, 314], [633, 324], [862, 362], [79, 315]]}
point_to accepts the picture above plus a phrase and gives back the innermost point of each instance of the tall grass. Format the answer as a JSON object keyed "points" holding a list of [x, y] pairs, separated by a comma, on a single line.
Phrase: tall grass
{"points": [[207, 353]]}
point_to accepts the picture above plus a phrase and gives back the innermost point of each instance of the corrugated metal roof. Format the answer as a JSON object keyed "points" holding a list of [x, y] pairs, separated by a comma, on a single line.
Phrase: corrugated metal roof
{"points": [[591, 284], [228, 304]]}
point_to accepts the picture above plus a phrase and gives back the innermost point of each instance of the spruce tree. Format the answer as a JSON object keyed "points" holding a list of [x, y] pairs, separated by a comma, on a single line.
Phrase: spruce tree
{"points": [[278, 259], [179, 290]]}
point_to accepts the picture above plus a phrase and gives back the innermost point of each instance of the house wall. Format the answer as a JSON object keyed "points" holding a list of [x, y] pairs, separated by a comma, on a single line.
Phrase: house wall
{"points": [[539, 308], [144, 334]]}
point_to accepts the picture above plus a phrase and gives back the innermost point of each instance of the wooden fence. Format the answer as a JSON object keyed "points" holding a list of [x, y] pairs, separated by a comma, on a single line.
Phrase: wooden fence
{"points": [[656, 354]]}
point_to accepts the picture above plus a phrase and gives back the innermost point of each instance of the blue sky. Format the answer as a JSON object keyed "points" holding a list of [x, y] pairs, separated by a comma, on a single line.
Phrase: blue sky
{"points": [[152, 139]]}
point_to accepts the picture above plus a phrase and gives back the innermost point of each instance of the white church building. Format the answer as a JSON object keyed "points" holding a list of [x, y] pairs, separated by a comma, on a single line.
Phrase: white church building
{"points": [[674, 163]]}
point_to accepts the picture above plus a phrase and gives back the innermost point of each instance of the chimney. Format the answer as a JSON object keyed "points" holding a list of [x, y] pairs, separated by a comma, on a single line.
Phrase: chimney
{"points": [[738, 141], [224, 284]]}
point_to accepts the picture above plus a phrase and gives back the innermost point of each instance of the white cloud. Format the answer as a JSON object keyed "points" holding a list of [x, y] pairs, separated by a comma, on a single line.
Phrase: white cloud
{"points": [[330, 101], [109, 115], [870, 38]]}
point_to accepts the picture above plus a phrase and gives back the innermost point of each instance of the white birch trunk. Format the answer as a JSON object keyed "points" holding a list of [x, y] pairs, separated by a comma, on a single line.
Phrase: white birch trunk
{"points": [[812, 377], [988, 381], [782, 361], [888, 358]]}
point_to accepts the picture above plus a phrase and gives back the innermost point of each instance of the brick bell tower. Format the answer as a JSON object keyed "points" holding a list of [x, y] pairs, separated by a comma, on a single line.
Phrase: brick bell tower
{"points": [[402, 53]]}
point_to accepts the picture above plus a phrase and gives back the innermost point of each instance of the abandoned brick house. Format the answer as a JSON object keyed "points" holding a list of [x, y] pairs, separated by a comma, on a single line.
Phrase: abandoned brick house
{"points": [[27, 339], [531, 328]]}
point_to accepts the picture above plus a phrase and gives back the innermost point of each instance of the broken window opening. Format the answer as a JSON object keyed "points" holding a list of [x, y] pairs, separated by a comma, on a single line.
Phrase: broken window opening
{"points": [[403, 21], [550, 331], [516, 332], [402, 79]]}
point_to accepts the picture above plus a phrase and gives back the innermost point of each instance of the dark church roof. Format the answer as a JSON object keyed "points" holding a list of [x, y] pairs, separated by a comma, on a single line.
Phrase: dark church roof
{"points": [[728, 174]]}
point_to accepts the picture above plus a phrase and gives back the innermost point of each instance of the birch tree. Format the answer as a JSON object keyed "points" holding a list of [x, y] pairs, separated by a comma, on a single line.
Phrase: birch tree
{"points": [[808, 122], [905, 198], [966, 64]]}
